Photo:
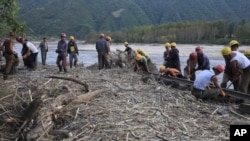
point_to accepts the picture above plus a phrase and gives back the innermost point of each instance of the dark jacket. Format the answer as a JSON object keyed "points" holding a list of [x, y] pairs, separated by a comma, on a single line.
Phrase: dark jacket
{"points": [[203, 62], [62, 47], [173, 61], [102, 46], [72, 47]]}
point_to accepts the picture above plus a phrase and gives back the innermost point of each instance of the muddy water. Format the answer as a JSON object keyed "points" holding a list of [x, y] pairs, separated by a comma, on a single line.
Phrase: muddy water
{"points": [[88, 55]]}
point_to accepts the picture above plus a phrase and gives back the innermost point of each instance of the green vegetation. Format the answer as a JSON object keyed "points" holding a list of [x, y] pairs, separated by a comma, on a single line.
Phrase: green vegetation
{"points": [[8, 17], [218, 32], [158, 21]]}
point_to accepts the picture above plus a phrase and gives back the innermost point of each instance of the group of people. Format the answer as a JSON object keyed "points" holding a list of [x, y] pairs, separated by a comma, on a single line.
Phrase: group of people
{"points": [[30, 52], [236, 70]]}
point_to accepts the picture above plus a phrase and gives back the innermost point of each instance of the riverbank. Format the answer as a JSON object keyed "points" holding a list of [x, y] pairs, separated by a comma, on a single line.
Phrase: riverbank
{"points": [[124, 106]]}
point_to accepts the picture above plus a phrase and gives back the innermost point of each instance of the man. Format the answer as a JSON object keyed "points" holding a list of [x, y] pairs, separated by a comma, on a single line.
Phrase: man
{"points": [[189, 70], [139, 51], [62, 47], [109, 57], [102, 50], [247, 53], [173, 59], [202, 60], [72, 51], [201, 87], [10, 58], [2, 46], [166, 54], [29, 53], [127, 48], [228, 73], [170, 72], [44, 49], [240, 65], [141, 63]]}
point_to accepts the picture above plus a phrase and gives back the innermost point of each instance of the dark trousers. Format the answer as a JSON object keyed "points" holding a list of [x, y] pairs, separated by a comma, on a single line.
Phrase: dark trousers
{"points": [[205, 94], [30, 62], [73, 56], [103, 60], [11, 61], [62, 58], [43, 56]]}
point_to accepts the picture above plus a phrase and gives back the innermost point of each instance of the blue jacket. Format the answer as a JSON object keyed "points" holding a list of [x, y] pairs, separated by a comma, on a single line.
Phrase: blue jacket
{"points": [[102, 46]]}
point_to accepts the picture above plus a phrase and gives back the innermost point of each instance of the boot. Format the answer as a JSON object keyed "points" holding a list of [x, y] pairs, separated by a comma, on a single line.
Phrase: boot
{"points": [[70, 64], [5, 77], [75, 63], [65, 70], [60, 69]]}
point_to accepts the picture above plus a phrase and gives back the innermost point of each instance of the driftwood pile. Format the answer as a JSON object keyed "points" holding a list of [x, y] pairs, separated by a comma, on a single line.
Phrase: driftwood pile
{"points": [[112, 104]]}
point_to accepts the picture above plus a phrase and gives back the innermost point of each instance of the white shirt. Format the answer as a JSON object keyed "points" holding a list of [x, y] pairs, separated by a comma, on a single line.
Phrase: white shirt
{"points": [[243, 61], [32, 47], [203, 79]]}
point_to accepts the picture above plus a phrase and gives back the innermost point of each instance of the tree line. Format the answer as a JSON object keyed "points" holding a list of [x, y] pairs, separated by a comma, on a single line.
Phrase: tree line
{"points": [[8, 17], [216, 32]]}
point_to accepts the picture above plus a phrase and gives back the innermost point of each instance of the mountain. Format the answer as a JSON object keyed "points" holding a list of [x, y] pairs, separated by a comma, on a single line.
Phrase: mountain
{"points": [[81, 17]]}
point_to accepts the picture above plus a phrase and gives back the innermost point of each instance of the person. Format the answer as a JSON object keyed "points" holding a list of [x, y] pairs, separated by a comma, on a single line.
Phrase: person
{"points": [[127, 48], [189, 70], [228, 73], [11, 58], [170, 72], [247, 53], [234, 44], [166, 54], [72, 51], [173, 60], [141, 63], [201, 87], [102, 50], [202, 60], [62, 47], [2, 46], [29, 53], [139, 51], [109, 59], [240, 65], [44, 49]]}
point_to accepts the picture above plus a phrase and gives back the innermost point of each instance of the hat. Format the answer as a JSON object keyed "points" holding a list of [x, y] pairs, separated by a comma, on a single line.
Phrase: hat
{"points": [[219, 68], [62, 35], [173, 44], [71, 37]]}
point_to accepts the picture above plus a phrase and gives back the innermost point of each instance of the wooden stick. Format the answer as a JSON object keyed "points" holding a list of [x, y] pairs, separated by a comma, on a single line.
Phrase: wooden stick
{"points": [[86, 86]]}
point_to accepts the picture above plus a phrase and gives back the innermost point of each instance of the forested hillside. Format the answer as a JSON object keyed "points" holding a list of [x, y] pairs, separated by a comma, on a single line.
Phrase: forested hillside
{"points": [[81, 17]]}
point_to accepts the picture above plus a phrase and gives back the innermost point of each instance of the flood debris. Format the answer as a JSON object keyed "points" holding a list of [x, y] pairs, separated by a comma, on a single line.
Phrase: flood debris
{"points": [[109, 104]]}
